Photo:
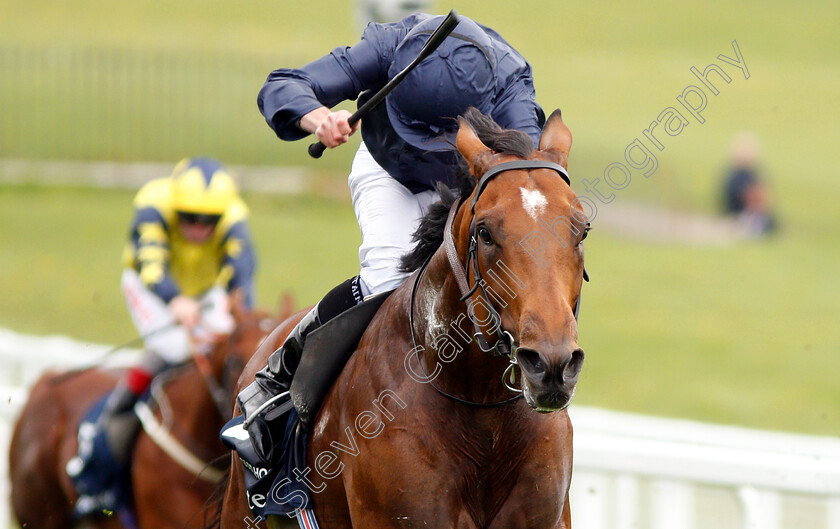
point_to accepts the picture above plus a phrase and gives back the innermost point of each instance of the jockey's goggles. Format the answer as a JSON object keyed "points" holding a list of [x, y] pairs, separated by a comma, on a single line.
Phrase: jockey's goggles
{"points": [[198, 218]]}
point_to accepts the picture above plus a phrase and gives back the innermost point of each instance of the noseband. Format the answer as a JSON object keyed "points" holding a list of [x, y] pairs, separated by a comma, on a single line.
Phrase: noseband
{"points": [[505, 345]]}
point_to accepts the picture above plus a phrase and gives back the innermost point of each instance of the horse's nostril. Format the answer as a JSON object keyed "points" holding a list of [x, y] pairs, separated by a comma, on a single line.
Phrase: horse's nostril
{"points": [[530, 361], [574, 365]]}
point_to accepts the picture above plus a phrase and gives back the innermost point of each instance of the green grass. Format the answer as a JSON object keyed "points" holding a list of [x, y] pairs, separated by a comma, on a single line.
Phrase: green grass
{"points": [[744, 334], [152, 81]]}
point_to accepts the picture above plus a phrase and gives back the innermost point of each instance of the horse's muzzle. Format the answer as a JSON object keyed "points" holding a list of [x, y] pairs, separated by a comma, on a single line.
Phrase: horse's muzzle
{"points": [[548, 381]]}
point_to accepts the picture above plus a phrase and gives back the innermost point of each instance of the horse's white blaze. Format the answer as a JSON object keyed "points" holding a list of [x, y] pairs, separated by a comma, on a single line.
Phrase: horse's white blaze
{"points": [[533, 201]]}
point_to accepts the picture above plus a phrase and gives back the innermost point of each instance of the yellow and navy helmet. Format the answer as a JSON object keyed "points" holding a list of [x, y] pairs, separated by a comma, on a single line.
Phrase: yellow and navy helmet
{"points": [[202, 186]]}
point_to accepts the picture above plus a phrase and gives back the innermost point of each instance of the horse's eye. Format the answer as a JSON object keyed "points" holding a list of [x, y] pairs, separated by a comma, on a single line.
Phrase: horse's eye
{"points": [[585, 233], [484, 235]]}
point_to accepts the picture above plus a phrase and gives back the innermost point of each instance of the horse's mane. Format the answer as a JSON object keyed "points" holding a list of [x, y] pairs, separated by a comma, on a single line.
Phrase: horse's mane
{"points": [[429, 234]]}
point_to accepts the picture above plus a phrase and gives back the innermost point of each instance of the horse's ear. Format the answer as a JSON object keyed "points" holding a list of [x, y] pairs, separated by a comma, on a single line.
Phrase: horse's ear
{"points": [[285, 305], [556, 138], [471, 147]]}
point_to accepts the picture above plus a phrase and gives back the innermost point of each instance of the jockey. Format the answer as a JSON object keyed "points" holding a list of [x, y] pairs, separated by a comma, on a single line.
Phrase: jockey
{"points": [[407, 147], [188, 248]]}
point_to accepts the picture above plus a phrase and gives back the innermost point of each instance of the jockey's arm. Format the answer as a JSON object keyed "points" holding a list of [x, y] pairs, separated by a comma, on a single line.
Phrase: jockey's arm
{"points": [[151, 253], [239, 261], [296, 101]]}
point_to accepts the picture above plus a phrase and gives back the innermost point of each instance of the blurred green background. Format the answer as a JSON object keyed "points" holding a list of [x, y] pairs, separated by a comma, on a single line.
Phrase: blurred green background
{"points": [[741, 333]]}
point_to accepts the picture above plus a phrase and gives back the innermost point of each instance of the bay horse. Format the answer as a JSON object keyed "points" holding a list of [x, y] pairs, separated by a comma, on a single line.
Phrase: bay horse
{"points": [[165, 493], [425, 426]]}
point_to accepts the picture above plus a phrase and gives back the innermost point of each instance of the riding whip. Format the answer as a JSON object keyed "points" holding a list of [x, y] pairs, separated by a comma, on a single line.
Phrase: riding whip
{"points": [[435, 40]]}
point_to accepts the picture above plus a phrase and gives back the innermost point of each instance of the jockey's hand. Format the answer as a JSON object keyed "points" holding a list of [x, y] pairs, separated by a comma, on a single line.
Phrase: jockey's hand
{"points": [[185, 310], [331, 128]]}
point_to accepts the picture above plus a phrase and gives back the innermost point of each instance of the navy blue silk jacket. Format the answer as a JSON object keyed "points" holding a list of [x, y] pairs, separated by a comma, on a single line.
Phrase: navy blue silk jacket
{"points": [[348, 73]]}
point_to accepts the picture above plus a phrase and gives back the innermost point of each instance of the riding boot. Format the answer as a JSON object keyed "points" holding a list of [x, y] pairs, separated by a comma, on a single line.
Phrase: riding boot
{"points": [[267, 398], [119, 422], [106, 441], [276, 377]]}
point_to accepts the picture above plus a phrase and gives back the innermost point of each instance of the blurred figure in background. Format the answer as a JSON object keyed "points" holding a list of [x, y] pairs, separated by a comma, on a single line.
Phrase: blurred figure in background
{"points": [[384, 11], [188, 248], [745, 196]]}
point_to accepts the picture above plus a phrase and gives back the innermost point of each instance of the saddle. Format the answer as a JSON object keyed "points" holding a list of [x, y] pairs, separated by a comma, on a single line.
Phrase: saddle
{"points": [[326, 352]]}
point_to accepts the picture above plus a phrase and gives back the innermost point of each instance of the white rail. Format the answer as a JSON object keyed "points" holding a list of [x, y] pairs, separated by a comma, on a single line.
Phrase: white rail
{"points": [[631, 471], [22, 360], [637, 471]]}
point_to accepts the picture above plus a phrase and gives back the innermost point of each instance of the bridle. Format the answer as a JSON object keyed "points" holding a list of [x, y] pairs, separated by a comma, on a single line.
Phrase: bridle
{"points": [[221, 396], [505, 345], [161, 433]]}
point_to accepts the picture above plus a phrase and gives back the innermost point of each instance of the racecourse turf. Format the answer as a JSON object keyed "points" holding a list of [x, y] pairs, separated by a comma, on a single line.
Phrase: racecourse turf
{"points": [[741, 334]]}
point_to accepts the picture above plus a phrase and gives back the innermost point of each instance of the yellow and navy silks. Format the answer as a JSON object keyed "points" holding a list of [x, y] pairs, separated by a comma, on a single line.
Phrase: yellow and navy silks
{"points": [[169, 265]]}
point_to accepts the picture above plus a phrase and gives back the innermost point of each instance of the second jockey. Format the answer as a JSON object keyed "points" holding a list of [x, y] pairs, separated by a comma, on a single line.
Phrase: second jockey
{"points": [[189, 247]]}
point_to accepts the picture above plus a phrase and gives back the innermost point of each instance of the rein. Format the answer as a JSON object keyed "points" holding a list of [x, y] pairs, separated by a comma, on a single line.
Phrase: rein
{"points": [[505, 345], [168, 443], [221, 397]]}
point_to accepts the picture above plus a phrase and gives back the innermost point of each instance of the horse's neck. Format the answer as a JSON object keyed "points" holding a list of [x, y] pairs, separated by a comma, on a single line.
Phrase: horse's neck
{"points": [[444, 330], [493, 433], [194, 412]]}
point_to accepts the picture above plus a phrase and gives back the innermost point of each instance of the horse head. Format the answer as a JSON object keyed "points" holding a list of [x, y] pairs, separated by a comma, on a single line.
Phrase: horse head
{"points": [[521, 234]]}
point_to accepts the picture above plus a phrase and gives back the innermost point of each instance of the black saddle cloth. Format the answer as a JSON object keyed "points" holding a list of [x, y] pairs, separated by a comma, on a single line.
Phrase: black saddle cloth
{"points": [[102, 483]]}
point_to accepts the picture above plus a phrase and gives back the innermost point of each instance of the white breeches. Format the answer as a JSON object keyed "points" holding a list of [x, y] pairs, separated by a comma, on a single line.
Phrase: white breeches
{"points": [[388, 214], [174, 344]]}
